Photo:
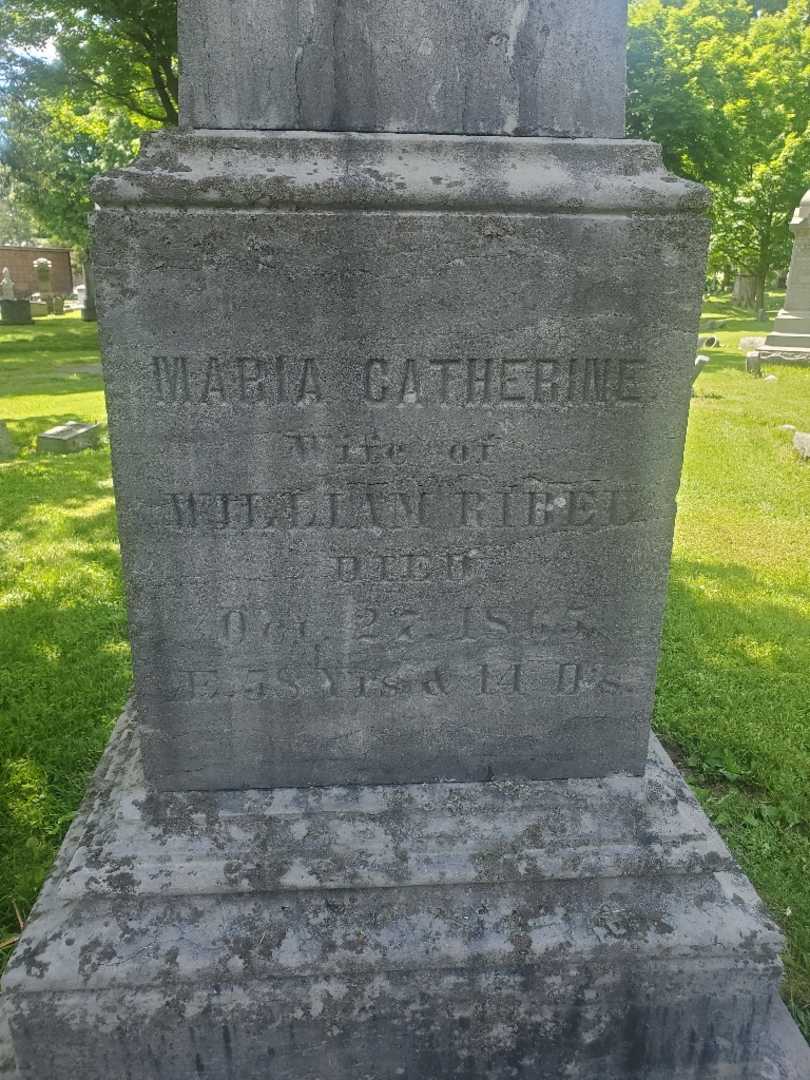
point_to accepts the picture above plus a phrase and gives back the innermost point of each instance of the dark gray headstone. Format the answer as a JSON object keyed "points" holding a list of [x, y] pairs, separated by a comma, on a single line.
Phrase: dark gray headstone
{"points": [[397, 501], [7, 448], [16, 312]]}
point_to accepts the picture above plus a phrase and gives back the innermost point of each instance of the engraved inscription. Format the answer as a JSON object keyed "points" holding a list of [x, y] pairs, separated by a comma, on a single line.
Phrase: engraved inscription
{"points": [[409, 566], [306, 447], [526, 677], [532, 504], [183, 380], [518, 382], [268, 381], [390, 626]]}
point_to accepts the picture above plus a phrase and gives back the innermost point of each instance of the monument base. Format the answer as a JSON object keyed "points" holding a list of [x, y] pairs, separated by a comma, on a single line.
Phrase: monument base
{"points": [[775, 355], [596, 929], [788, 342]]}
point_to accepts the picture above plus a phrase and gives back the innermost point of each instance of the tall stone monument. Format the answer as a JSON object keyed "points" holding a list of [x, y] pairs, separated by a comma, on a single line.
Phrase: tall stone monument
{"points": [[398, 335], [789, 341]]}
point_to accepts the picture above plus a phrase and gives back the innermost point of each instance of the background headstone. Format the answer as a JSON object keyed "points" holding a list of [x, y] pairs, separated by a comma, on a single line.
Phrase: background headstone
{"points": [[789, 341], [42, 269], [7, 286], [17, 312], [89, 299], [69, 437], [7, 448]]}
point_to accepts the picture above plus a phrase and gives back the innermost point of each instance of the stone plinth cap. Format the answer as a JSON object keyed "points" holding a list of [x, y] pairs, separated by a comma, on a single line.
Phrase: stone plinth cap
{"points": [[380, 171], [507, 67], [801, 219]]}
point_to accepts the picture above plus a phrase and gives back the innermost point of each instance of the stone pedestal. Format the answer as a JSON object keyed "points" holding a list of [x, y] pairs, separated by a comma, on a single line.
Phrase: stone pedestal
{"points": [[16, 312], [588, 928], [789, 341]]}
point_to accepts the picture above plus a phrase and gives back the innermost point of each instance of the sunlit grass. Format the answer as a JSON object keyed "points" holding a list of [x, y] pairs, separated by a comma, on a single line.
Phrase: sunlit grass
{"points": [[734, 683], [64, 661]]}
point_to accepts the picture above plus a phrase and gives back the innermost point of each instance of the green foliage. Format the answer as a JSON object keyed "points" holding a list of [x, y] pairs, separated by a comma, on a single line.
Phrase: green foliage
{"points": [[54, 150], [724, 86], [118, 52], [17, 225], [64, 660], [80, 84]]}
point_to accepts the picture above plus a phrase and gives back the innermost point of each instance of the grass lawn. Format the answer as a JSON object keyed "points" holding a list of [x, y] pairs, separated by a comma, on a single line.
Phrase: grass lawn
{"points": [[733, 698], [64, 662]]}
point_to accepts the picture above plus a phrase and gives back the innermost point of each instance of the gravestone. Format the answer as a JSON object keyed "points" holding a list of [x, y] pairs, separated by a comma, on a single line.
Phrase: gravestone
{"points": [[16, 312], [801, 444], [789, 341], [8, 450], [68, 438], [7, 291], [89, 298], [397, 396]]}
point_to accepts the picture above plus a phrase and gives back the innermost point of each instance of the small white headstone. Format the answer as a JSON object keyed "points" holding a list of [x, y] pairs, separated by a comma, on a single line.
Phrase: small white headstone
{"points": [[69, 437], [7, 286]]}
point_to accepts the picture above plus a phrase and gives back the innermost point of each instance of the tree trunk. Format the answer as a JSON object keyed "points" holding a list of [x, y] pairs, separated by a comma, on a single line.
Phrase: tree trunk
{"points": [[761, 306], [748, 290]]}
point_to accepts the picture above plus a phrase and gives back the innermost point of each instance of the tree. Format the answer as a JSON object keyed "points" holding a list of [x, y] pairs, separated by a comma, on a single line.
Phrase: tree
{"points": [[52, 152], [119, 52], [16, 223], [724, 86], [80, 84]]}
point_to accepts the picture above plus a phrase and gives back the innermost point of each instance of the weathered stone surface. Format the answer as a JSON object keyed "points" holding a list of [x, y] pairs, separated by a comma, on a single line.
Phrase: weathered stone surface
{"points": [[514, 67], [245, 170], [17, 312], [69, 437], [789, 341], [396, 504], [496, 930], [801, 443], [787, 1055]]}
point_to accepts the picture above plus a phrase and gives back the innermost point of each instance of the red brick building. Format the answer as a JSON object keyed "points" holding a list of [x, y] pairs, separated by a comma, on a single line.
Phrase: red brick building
{"points": [[20, 262]]}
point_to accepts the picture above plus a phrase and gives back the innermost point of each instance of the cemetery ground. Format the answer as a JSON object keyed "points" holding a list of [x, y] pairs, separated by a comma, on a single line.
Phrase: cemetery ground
{"points": [[733, 698]]}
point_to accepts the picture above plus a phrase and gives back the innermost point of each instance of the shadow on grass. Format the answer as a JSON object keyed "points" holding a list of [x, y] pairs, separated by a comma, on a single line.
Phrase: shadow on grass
{"points": [[733, 699], [53, 385], [35, 337], [65, 662]]}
